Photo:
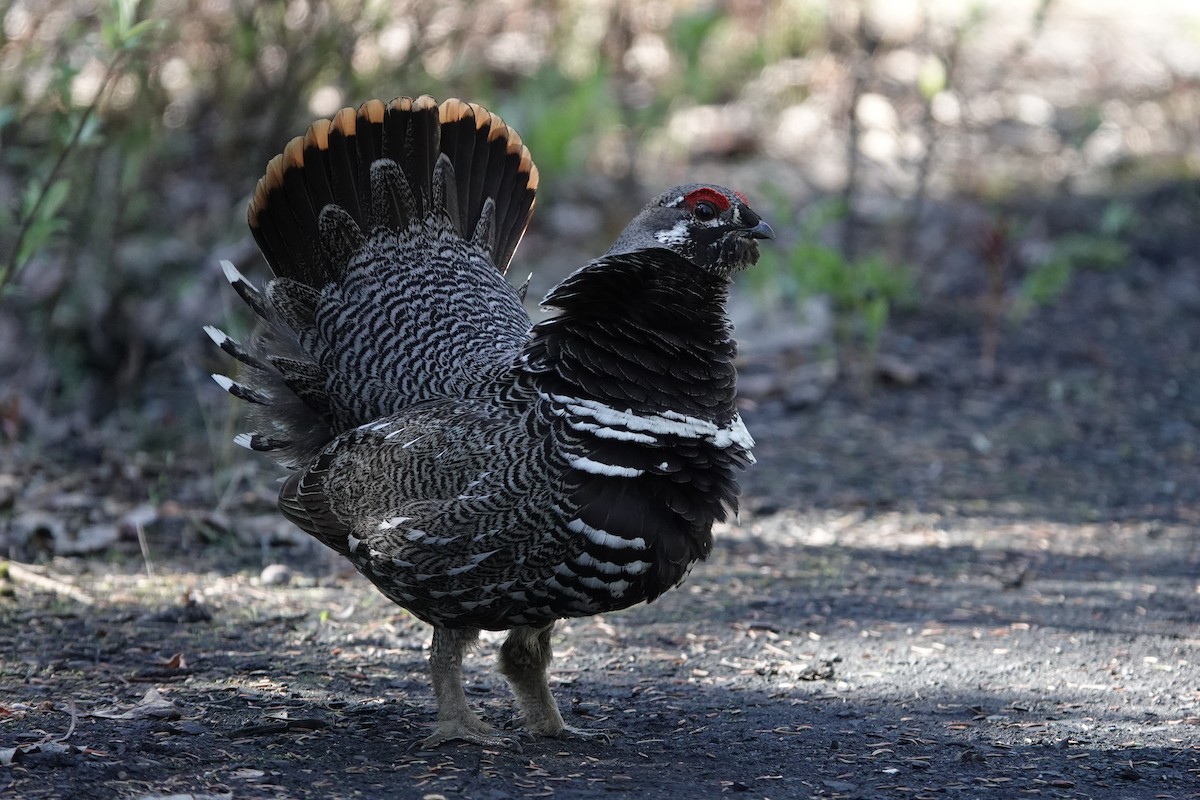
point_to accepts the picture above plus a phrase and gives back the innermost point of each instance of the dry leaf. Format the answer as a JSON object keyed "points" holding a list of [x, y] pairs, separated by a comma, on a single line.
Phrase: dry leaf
{"points": [[152, 706]]}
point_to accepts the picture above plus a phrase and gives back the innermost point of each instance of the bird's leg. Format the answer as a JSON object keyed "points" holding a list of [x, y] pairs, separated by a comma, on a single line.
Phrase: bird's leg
{"points": [[456, 720], [524, 659]]}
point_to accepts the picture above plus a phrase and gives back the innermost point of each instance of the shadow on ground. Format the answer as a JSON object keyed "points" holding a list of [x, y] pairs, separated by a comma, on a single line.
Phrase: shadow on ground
{"points": [[782, 669]]}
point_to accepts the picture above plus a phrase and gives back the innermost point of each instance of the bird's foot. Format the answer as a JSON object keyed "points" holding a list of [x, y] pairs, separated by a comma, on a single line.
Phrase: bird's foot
{"points": [[473, 730], [605, 735], [557, 729]]}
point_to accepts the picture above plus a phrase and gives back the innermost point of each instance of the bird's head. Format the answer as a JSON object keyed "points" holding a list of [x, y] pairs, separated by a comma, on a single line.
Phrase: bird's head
{"points": [[712, 227]]}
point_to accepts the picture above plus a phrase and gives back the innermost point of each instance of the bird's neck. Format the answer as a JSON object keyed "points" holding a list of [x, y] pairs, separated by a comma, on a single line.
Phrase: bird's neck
{"points": [[642, 331]]}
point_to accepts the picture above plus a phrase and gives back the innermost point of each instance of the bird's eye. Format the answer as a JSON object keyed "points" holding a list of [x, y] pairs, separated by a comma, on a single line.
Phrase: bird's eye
{"points": [[704, 211]]}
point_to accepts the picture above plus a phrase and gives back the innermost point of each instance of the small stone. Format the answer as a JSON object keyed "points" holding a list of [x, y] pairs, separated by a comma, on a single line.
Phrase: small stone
{"points": [[275, 575], [897, 371]]}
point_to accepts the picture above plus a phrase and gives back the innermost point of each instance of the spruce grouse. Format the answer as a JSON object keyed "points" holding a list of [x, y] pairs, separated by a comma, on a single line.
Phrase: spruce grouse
{"points": [[482, 471]]}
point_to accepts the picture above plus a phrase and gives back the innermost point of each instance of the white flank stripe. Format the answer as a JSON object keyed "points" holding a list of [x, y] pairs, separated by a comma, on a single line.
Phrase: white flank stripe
{"points": [[601, 432], [223, 381], [615, 424], [604, 538], [600, 468], [607, 567], [625, 436], [594, 583], [735, 433], [244, 440]]}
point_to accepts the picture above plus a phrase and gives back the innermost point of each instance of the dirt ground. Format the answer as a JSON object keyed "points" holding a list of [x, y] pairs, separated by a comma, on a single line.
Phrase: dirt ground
{"points": [[944, 586], [951, 588]]}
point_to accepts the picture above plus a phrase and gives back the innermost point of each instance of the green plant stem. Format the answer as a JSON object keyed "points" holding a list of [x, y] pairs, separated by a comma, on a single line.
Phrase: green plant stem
{"points": [[13, 268]]}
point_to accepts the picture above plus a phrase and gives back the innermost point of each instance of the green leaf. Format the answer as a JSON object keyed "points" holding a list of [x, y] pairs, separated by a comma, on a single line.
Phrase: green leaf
{"points": [[56, 196], [36, 236], [1046, 283], [39, 210], [1092, 251]]}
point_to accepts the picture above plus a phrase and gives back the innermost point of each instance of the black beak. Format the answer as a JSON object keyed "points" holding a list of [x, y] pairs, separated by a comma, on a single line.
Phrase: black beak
{"points": [[761, 231]]}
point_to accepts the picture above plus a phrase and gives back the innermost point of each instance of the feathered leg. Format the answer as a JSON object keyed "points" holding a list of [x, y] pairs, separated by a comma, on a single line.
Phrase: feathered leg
{"points": [[456, 720], [524, 659]]}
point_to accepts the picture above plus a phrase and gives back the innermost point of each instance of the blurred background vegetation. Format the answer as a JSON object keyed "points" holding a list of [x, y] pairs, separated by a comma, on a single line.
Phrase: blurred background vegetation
{"points": [[907, 152]]}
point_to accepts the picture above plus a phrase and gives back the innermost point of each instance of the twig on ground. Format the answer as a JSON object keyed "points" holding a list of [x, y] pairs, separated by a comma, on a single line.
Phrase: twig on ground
{"points": [[45, 583], [74, 709], [145, 546]]}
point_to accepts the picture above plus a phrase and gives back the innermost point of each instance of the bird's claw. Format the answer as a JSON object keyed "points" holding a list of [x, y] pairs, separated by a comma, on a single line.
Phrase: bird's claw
{"points": [[563, 731], [588, 734], [480, 734]]}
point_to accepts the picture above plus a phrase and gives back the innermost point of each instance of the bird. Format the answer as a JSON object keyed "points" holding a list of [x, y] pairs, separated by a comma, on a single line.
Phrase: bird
{"points": [[485, 472]]}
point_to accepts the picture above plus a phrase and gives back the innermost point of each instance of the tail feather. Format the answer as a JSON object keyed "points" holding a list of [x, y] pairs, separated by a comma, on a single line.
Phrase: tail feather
{"points": [[241, 391], [422, 138], [458, 147], [445, 194], [485, 230], [392, 199], [245, 289], [520, 207], [467, 151], [347, 150], [410, 166], [256, 441], [233, 348], [341, 237], [334, 161]]}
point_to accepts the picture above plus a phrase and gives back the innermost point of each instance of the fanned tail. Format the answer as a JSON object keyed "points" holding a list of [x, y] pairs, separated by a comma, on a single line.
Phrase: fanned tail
{"points": [[457, 161], [412, 167]]}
